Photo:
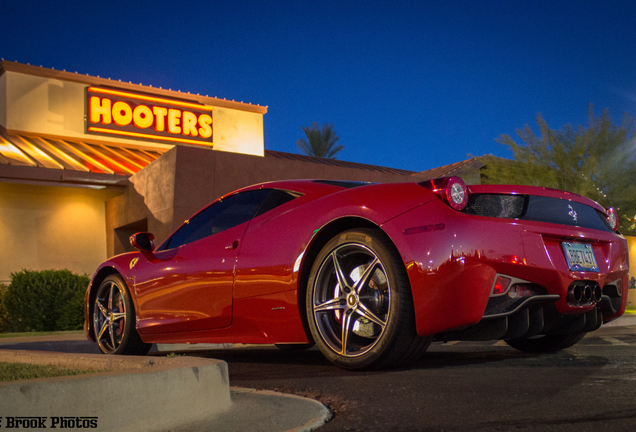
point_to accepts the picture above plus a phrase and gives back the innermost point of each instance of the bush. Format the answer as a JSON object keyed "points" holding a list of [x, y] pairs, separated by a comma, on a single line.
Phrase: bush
{"points": [[47, 300], [3, 313]]}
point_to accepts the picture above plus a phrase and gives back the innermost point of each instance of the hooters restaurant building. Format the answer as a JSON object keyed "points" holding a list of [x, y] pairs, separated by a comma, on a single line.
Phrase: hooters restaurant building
{"points": [[87, 161]]}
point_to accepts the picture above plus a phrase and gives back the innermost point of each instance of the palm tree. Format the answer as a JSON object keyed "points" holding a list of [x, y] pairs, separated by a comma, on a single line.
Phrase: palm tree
{"points": [[321, 141]]}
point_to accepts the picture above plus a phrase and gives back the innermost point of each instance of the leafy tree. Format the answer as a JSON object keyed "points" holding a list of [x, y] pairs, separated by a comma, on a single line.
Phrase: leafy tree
{"points": [[597, 161], [321, 142]]}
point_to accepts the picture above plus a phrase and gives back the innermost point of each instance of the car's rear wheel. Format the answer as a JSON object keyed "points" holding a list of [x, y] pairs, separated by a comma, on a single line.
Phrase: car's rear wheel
{"points": [[114, 319], [359, 304], [545, 343]]}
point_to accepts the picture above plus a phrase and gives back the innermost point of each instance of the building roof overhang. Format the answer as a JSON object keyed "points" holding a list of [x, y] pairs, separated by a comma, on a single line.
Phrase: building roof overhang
{"points": [[55, 161], [48, 177]]}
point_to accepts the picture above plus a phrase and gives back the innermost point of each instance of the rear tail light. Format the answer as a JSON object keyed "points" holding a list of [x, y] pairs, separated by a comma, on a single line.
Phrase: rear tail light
{"points": [[612, 218], [513, 288], [453, 191], [501, 286]]}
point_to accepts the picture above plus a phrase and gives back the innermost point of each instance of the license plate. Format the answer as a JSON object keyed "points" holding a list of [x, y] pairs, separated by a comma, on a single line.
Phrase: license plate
{"points": [[580, 256]]}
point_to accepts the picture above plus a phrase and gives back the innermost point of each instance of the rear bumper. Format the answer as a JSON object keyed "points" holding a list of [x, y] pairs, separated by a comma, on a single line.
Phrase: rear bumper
{"points": [[537, 316], [452, 270]]}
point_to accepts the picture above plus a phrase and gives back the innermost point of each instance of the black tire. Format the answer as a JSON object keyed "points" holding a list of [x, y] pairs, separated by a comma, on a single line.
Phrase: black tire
{"points": [[113, 316], [294, 347], [373, 314], [546, 343]]}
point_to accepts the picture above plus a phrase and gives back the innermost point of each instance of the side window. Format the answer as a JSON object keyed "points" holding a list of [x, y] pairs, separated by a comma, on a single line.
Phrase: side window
{"points": [[225, 214], [276, 198]]}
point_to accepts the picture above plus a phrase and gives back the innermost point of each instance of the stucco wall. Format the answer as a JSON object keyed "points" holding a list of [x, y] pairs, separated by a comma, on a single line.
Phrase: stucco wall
{"points": [[46, 227], [238, 131], [149, 198], [45, 106], [172, 188]]}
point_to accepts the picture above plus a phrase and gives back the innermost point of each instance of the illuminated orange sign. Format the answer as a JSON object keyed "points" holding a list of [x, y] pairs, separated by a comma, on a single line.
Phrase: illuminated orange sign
{"points": [[135, 115]]}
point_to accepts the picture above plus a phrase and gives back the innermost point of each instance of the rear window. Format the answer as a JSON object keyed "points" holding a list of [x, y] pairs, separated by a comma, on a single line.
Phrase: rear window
{"points": [[554, 210], [537, 208]]}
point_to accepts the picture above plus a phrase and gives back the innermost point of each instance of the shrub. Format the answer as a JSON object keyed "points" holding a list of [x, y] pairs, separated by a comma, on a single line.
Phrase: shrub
{"points": [[72, 313], [46, 300], [3, 312]]}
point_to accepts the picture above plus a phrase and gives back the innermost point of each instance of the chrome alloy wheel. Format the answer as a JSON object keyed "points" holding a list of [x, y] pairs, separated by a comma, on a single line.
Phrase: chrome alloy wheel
{"points": [[351, 299], [109, 317]]}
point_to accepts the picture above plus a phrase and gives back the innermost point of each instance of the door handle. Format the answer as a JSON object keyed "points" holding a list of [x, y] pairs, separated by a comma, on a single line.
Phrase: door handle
{"points": [[232, 246]]}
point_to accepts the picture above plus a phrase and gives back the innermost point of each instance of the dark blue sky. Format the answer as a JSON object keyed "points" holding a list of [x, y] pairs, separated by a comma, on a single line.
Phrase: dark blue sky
{"points": [[406, 84]]}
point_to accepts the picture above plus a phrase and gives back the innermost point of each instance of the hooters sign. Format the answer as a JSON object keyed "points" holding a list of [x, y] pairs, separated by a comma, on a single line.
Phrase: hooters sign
{"points": [[120, 113]]}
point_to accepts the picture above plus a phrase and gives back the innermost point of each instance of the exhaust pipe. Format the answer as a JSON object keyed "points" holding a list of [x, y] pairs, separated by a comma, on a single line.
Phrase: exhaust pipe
{"points": [[582, 295], [575, 294]]}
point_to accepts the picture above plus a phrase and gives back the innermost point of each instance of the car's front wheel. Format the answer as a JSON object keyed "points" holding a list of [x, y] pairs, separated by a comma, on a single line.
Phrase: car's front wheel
{"points": [[359, 304], [545, 343], [114, 319]]}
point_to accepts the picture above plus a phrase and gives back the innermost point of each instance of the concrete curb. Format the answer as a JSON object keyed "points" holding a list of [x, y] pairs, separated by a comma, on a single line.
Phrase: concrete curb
{"points": [[185, 394], [137, 394], [318, 413], [265, 411]]}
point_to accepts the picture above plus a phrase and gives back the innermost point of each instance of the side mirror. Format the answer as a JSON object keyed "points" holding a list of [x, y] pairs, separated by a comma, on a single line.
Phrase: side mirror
{"points": [[144, 241]]}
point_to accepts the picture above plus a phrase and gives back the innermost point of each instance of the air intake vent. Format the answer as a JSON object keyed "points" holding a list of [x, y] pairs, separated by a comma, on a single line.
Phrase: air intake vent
{"points": [[492, 205]]}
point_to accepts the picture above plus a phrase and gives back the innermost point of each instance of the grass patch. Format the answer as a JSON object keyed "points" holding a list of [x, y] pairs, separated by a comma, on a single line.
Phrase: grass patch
{"points": [[23, 371], [33, 334]]}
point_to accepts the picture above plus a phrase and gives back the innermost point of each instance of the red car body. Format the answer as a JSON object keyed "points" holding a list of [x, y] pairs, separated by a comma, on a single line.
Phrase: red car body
{"points": [[248, 283]]}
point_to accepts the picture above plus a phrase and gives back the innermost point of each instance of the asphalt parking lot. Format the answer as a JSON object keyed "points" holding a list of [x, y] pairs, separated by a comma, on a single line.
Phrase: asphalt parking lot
{"points": [[455, 386]]}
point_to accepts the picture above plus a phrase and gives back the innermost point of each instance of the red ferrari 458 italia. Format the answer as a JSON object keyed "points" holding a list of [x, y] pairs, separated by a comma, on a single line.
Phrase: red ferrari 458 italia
{"points": [[370, 273]]}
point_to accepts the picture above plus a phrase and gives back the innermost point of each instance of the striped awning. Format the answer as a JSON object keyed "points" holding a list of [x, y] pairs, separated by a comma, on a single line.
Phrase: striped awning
{"points": [[35, 151]]}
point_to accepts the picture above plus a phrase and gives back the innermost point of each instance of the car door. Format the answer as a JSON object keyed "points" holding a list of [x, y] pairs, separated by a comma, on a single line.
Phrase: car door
{"points": [[187, 284]]}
